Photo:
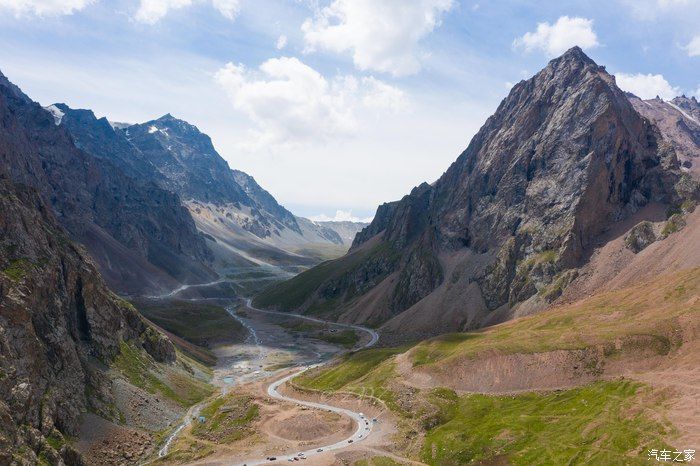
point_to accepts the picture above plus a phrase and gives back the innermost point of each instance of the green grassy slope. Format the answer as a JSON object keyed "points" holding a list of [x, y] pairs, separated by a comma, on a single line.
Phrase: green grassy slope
{"points": [[653, 310], [201, 324], [606, 422], [176, 382], [295, 292]]}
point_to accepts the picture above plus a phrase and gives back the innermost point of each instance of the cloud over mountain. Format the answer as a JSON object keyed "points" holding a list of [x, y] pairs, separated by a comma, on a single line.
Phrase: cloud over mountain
{"points": [[382, 35], [647, 86], [554, 39], [290, 102]]}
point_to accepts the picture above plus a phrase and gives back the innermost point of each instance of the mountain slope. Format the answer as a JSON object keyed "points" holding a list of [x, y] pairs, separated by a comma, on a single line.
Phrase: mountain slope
{"points": [[609, 376], [505, 229], [140, 235], [679, 121], [59, 326], [245, 224]]}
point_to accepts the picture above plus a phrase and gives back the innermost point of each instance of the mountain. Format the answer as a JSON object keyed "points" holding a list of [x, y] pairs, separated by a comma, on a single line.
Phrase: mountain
{"points": [[60, 327], [679, 121], [564, 161], [347, 230], [229, 223], [244, 223], [140, 235]]}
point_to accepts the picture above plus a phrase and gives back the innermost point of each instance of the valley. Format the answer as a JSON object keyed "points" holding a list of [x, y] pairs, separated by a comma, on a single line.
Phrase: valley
{"points": [[537, 302], [251, 371]]}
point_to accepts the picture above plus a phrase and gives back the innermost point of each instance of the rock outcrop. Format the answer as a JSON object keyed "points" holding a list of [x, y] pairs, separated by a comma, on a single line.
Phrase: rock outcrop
{"points": [[564, 157], [244, 222], [679, 122], [141, 236], [59, 327]]}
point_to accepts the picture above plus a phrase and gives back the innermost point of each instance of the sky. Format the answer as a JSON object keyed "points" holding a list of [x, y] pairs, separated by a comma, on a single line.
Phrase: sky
{"points": [[334, 106]]}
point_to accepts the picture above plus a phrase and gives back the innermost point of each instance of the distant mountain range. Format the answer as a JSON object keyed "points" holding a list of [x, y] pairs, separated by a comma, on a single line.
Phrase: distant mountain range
{"points": [[155, 204], [571, 188], [146, 207], [513, 224]]}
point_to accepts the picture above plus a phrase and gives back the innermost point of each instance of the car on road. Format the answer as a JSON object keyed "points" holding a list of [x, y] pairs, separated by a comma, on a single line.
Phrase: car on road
{"points": [[350, 441], [319, 450]]}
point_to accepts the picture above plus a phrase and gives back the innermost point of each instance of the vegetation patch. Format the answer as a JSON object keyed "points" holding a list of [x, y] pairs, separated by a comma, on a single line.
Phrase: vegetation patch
{"points": [[186, 450], [200, 324], [293, 293], [647, 309], [603, 423], [378, 461], [351, 368], [143, 372], [226, 419], [18, 269], [346, 338], [675, 223]]}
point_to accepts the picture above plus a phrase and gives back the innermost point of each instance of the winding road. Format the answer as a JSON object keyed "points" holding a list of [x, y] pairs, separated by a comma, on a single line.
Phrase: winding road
{"points": [[364, 425]]}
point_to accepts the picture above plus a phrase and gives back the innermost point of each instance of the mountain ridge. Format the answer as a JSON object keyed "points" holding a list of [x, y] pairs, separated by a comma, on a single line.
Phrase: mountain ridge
{"points": [[506, 227]]}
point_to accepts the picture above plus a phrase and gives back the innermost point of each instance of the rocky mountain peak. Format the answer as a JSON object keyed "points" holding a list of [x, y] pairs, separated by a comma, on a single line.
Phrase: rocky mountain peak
{"points": [[563, 158], [689, 105], [575, 55]]}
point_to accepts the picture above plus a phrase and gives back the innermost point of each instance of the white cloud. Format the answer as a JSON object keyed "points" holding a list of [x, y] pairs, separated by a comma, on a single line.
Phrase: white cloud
{"points": [[281, 42], [152, 11], [654, 10], [228, 8], [44, 7], [383, 35], [340, 216], [693, 47], [555, 39], [291, 102], [647, 86]]}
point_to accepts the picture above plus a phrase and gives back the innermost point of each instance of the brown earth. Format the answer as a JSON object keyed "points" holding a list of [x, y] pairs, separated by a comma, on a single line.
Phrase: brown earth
{"points": [[307, 426], [105, 443]]}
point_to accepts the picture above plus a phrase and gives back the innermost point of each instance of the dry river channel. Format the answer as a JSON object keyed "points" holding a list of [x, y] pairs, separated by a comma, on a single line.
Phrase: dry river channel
{"points": [[270, 352]]}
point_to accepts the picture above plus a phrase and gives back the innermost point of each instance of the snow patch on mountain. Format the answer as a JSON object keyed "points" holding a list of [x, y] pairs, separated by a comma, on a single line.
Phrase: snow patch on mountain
{"points": [[56, 113]]}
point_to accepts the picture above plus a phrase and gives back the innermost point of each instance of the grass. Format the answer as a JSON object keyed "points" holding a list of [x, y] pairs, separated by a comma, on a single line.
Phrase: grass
{"points": [[55, 440], [672, 225], [227, 419], [200, 324], [293, 293], [141, 371], [346, 338], [186, 450], [647, 309], [603, 423], [298, 325], [17, 269], [378, 461], [352, 367]]}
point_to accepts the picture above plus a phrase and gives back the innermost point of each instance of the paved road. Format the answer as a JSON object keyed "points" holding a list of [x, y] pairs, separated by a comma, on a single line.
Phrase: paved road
{"points": [[364, 426]]}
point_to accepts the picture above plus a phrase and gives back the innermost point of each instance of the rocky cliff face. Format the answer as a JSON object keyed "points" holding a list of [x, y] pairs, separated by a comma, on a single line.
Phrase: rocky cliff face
{"points": [[193, 169], [59, 325], [564, 157], [679, 122], [140, 235], [246, 224]]}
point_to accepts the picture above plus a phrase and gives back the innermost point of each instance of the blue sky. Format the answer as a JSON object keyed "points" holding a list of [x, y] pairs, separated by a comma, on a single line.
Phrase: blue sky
{"points": [[332, 104]]}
